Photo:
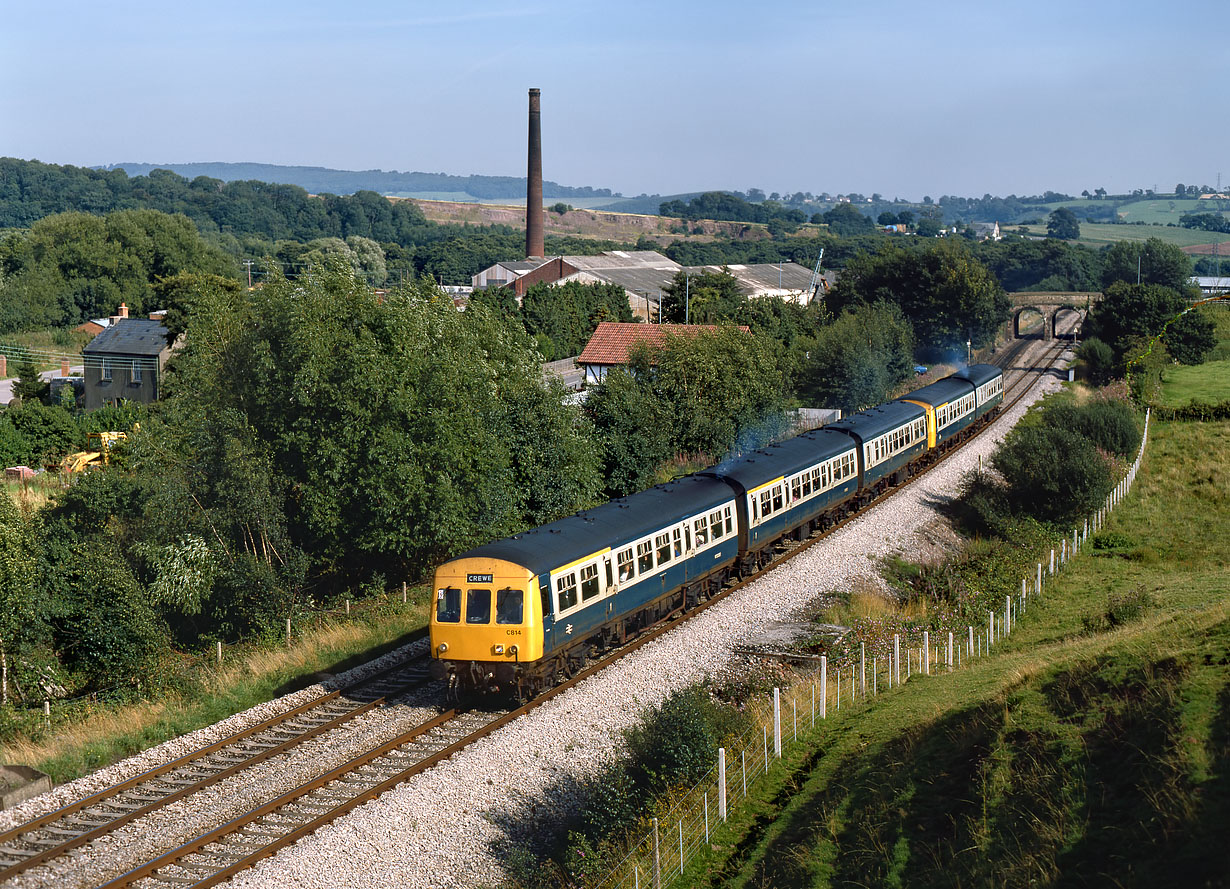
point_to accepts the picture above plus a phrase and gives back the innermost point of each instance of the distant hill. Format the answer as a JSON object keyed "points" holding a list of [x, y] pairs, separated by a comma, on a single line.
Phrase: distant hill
{"points": [[321, 180]]}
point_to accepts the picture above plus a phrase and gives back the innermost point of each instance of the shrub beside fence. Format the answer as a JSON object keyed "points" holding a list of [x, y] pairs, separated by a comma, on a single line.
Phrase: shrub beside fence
{"points": [[793, 715]]}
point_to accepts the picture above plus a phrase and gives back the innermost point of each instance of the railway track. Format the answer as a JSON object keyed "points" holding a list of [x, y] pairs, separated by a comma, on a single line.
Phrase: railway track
{"points": [[56, 833], [218, 854]]}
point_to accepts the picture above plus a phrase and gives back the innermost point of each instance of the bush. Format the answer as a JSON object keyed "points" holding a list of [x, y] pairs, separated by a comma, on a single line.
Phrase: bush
{"points": [[1053, 474], [1110, 425], [1099, 360], [677, 742]]}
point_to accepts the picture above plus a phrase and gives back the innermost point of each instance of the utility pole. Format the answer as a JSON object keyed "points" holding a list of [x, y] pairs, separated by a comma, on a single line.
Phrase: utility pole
{"points": [[687, 297], [248, 263]]}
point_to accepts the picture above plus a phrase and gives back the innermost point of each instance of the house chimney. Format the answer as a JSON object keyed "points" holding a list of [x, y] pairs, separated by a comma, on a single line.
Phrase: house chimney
{"points": [[123, 310], [533, 195]]}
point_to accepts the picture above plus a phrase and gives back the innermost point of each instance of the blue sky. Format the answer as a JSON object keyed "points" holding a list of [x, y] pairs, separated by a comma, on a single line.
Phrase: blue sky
{"points": [[901, 98]]}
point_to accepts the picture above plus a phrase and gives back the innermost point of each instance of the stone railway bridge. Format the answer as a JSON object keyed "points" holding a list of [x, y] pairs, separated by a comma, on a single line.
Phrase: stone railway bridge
{"points": [[1049, 309]]}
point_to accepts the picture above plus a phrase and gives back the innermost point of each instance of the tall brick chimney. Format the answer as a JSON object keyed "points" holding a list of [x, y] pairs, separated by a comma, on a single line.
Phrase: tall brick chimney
{"points": [[533, 195]]}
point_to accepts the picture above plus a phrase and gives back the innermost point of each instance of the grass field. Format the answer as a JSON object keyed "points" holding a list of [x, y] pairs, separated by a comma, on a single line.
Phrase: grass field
{"points": [[1087, 751], [1208, 382], [47, 345], [1099, 234]]}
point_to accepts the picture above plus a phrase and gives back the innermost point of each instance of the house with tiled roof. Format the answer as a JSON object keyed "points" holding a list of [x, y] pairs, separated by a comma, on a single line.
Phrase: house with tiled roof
{"points": [[614, 340], [125, 361]]}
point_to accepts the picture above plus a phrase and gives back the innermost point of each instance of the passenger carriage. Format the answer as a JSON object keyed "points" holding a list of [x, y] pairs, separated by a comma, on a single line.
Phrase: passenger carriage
{"points": [[950, 405], [517, 613], [790, 488], [889, 438], [988, 383]]}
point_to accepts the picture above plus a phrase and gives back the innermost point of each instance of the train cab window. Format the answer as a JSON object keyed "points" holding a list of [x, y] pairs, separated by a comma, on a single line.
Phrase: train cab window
{"points": [[448, 606], [545, 598], [663, 542], [589, 582], [644, 557], [625, 565], [478, 606], [702, 532], [566, 590], [509, 606]]}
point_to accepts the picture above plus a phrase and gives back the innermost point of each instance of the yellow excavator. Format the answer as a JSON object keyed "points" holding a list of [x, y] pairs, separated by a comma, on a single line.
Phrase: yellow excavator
{"points": [[98, 452]]}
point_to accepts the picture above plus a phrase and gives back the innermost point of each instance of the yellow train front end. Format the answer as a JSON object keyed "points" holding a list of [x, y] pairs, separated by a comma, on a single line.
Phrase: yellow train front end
{"points": [[486, 623]]}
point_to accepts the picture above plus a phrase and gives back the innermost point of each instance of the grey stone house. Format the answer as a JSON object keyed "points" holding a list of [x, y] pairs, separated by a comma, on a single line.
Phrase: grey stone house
{"points": [[125, 362]]}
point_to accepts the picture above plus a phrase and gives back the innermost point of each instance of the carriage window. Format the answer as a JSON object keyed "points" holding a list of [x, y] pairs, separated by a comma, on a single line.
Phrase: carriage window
{"points": [[777, 497], [729, 525], [715, 524], [566, 590], [663, 542], [678, 534], [644, 556], [478, 606], [806, 489], [687, 537], [625, 565], [589, 582], [796, 488], [545, 596], [448, 605], [702, 532], [508, 606], [766, 503]]}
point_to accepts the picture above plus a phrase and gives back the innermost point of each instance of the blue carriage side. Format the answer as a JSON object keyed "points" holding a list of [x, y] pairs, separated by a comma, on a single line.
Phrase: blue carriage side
{"points": [[790, 487], [889, 438]]}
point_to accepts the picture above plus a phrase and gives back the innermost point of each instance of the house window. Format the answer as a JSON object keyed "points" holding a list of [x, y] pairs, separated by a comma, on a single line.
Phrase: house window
{"points": [[106, 369], [136, 373]]}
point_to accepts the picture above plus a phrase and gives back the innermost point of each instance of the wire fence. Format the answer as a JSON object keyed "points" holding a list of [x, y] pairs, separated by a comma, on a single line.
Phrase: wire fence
{"points": [[792, 715]]}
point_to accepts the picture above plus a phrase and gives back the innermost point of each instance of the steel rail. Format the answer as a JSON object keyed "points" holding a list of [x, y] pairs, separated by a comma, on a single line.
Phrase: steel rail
{"points": [[107, 797]]}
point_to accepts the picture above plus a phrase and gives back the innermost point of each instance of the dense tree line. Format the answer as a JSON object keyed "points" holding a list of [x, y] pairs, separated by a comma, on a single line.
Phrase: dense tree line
{"points": [[319, 180], [723, 205]]}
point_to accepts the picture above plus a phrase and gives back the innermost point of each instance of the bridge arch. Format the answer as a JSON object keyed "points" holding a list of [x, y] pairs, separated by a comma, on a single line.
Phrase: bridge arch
{"points": [[1061, 318], [1028, 313]]}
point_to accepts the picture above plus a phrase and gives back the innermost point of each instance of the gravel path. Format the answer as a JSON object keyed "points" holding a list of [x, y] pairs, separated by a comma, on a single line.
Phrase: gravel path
{"points": [[448, 827]]}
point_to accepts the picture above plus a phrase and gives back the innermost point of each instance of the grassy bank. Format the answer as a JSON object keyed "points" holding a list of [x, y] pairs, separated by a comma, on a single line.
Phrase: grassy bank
{"points": [[92, 735], [1090, 749]]}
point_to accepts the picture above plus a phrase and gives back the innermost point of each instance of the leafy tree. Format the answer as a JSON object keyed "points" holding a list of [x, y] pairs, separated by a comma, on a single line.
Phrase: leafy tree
{"points": [[858, 359], [1063, 224], [567, 314], [705, 298], [49, 432], [30, 386], [395, 431], [1191, 338], [945, 293], [928, 227], [1099, 360], [1130, 312], [1155, 261], [19, 615], [845, 220], [634, 427]]}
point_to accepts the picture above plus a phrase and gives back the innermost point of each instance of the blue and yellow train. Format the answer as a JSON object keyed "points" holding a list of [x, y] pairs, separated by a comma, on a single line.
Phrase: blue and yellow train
{"points": [[520, 613]]}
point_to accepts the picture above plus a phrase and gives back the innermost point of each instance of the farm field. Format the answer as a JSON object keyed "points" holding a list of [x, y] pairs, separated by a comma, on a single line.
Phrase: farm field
{"points": [[1100, 234], [1092, 749]]}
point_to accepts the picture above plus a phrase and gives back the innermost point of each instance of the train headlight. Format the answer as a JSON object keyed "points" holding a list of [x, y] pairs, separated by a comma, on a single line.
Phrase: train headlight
{"points": [[442, 647], [499, 649]]}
